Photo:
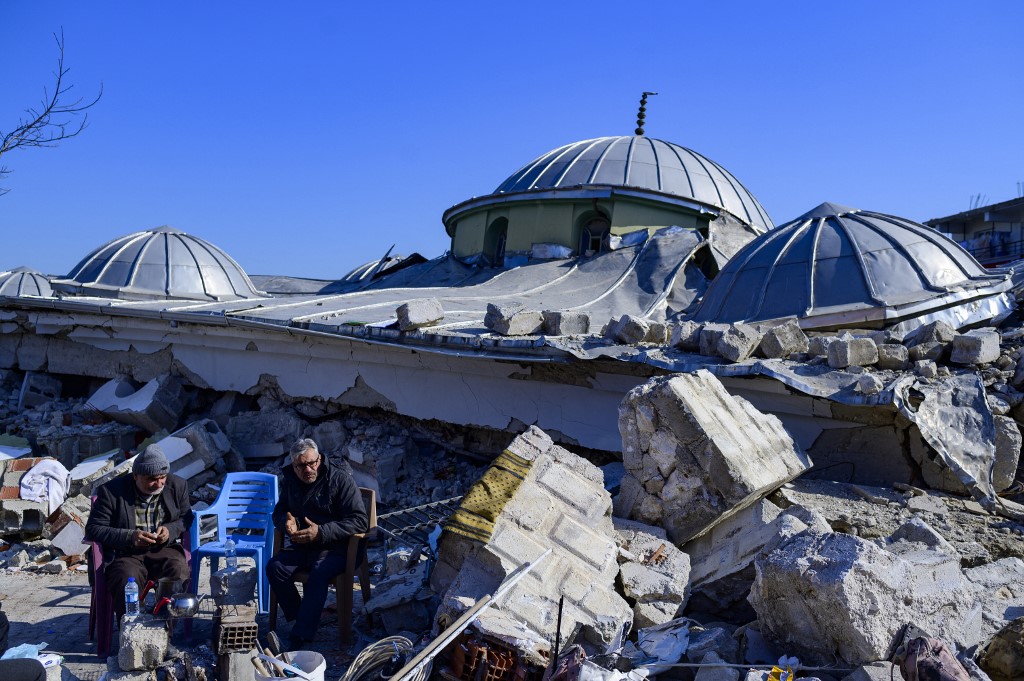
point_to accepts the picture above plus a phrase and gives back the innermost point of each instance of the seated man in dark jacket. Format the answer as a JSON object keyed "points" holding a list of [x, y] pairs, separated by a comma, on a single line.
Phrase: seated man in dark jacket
{"points": [[319, 509], [139, 519]]}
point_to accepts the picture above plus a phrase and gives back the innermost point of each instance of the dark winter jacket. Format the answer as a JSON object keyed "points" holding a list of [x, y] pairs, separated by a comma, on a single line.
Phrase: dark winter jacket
{"points": [[112, 519], [332, 501]]}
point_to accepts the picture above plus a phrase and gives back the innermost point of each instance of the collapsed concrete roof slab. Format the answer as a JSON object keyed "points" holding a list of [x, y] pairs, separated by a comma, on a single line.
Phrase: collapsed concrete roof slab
{"points": [[837, 267]]}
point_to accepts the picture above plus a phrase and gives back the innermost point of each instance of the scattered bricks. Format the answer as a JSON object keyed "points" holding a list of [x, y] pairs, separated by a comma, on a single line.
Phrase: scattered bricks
{"points": [[564, 323], [926, 368], [852, 352], [144, 643], [738, 342], [153, 407], [979, 346], [818, 345], [631, 330], [234, 587], [892, 356], [419, 313], [686, 336], [21, 516], [38, 389], [935, 332], [784, 340], [710, 334], [870, 384], [928, 350]]}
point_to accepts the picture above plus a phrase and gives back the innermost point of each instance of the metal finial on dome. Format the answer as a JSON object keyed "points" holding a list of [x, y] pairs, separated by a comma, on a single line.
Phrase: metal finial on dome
{"points": [[642, 113]]}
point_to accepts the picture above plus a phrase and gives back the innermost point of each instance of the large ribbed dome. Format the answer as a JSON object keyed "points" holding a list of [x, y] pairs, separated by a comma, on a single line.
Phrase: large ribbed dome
{"points": [[641, 163], [23, 281], [162, 262], [839, 262]]}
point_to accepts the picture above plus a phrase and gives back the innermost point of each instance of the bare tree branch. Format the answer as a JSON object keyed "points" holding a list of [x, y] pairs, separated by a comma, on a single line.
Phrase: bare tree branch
{"points": [[54, 120]]}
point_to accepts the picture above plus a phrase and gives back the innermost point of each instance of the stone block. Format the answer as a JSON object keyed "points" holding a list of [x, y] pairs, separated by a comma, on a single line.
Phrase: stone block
{"points": [[738, 342], [419, 313], [865, 592], [893, 357], [513, 320], [849, 351], [928, 350], [657, 332], [926, 368], [869, 384], [1008, 446], [710, 335], [933, 332], [784, 340], [154, 407], [979, 346], [144, 643], [657, 581], [566, 322], [699, 454], [817, 346], [234, 587], [631, 329], [685, 336]]}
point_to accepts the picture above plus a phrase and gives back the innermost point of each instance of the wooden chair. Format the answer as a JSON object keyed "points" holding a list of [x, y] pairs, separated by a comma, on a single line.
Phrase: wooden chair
{"points": [[344, 582]]}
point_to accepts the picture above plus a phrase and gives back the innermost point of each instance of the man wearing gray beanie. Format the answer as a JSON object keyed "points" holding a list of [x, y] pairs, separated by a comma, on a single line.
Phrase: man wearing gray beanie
{"points": [[139, 520]]}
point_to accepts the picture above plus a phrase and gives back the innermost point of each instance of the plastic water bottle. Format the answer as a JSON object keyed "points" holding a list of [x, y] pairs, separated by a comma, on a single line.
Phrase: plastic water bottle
{"points": [[230, 557], [131, 599]]}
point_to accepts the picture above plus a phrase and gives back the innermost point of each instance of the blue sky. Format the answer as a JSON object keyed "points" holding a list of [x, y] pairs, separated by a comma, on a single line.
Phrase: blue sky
{"points": [[307, 138]]}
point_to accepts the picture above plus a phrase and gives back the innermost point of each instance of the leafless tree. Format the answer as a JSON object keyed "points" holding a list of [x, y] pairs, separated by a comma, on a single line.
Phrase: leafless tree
{"points": [[58, 117]]}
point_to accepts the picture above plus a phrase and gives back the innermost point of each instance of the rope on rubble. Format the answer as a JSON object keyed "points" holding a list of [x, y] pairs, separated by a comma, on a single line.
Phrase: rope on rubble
{"points": [[382, 660]]}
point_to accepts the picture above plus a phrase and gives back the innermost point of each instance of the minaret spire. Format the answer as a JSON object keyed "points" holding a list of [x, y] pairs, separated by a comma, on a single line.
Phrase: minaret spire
{"points": [[642, 113]]}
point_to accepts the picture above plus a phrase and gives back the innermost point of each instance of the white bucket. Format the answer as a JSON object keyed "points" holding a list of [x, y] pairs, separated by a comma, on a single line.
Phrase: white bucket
{"points": [[311, 662]]}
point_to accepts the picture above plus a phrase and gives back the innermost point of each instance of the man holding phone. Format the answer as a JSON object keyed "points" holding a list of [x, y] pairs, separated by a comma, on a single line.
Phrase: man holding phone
{"points": [[139, 520]]}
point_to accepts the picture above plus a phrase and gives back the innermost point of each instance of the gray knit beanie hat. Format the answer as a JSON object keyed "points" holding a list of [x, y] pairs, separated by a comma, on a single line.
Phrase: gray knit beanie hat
{"points": [[152, 461]]}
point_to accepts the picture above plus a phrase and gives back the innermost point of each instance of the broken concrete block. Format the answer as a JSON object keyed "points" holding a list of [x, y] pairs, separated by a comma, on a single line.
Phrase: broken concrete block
{"points": [[927, 350], [551, 499], [194, 449], [1002, 658], [695, 454], [738, 342], [154, 407], [656, 577], [631, 329], [238, 667], [713, 672], [892, 356], [926, 368], [265, 434], [818, 345], [869, 384], [876, 671], [657, 332], [513, 320], [419, 313], [978, 346], [38, 389], [234, 587], [849, 351], [144, 642], [19, 516], [783, 340], [855, 600], [1008, 446], [52, 567], [92, 468], [566, 322], [934, 332], [710, 334], [685, 336]]}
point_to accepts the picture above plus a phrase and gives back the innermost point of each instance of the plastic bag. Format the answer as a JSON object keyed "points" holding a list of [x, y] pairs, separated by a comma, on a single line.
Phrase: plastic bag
{"points": [[24, 650]]}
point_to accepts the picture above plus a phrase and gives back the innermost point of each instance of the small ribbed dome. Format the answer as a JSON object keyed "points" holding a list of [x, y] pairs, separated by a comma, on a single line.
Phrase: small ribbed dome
{"points": [[163, 262], [835, 259], [643, 163], [23, 281]]}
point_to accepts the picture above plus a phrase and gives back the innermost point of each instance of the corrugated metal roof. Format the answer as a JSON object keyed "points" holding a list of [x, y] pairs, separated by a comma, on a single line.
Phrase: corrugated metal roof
{"points": [[641, 162], [23, 281], [835, 258], [163, 262]]}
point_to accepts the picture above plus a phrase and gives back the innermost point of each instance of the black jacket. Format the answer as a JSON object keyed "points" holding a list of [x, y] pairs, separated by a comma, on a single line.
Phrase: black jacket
{"points": [[332, 501], [112, 519]]}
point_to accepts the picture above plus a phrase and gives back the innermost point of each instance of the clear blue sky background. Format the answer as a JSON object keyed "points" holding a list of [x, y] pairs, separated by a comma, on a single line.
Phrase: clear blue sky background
{"points": [[306, 138]]}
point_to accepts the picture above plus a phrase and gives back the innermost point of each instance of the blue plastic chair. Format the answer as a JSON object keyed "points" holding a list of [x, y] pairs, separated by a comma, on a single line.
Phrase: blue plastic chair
{"points": [[243, 510]]}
